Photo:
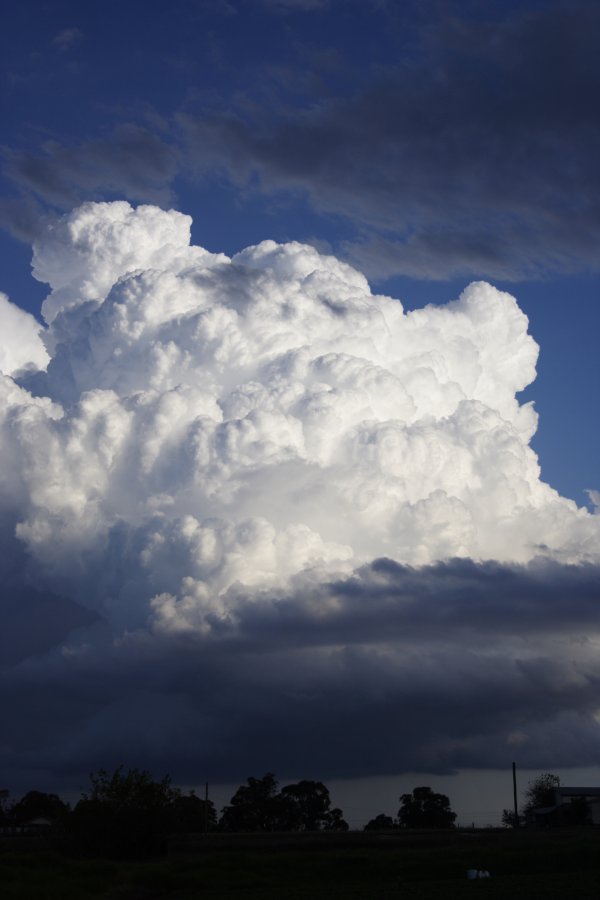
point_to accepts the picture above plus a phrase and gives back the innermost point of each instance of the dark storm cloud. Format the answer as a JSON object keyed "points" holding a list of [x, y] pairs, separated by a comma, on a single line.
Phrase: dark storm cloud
{"points": [[482, 155], [54, 617], [475, 154], [294, 5], [388, 601], [33, 621], [22, 216], [393, 669], [133, 162]]}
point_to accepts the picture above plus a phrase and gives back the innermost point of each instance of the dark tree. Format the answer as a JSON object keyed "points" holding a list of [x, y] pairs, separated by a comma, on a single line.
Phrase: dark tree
{"points": [[306, 806], [425, 809], [258, 806], [134, 789], [38, 805], [380, 823], [4, 804], [126, 814], [189, 814], [335, 820], [255, 806], [541, 791], [508, 818]]}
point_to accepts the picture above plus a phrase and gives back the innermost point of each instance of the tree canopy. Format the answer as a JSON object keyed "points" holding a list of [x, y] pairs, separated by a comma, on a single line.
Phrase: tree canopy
{"points": [[4, 804], [129, 813], [425, 809], [508, 818], [303, 806], [255, 806], [189, 813], [307, 807], [541, 791], [131, 789], [380, 823]]}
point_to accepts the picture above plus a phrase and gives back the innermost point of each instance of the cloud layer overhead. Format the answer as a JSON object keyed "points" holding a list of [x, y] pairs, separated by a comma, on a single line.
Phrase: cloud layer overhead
{"points": [[250, 486], [470, 150], [464, 144]]}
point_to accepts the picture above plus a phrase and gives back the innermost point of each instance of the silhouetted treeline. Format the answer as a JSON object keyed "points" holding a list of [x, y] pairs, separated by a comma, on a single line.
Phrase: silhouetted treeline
{"points": [[124, 814], [260, 806], [130, 814], [33, 806]]}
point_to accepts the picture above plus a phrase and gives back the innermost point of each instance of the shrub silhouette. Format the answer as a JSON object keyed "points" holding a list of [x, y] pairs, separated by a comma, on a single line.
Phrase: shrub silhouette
{"points": [[126, 814], [425, 809], [303, 806]]}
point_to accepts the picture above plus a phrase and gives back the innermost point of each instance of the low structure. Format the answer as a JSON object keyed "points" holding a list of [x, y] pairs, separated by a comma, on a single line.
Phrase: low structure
{"points": [[38, 826], [589, 795], [572, 806]]}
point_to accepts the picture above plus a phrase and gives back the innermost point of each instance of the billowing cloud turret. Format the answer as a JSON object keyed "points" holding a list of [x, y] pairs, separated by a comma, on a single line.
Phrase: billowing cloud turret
{"points": [[216, 421]]}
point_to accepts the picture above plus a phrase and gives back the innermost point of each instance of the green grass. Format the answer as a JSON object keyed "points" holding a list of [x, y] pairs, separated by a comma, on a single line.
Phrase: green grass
{"points": [[403, 866]]}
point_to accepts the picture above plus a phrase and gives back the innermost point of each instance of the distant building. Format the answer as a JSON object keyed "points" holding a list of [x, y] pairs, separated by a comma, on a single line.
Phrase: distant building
{"points": [[37, 826], [589, 794], [572, 806], [40, 825]]}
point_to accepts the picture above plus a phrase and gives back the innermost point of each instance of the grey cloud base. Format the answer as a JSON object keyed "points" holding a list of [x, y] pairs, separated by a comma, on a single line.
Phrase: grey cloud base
{"points": [[448, 666]]}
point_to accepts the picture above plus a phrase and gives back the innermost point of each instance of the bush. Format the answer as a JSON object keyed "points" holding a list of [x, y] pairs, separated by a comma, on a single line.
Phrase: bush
{"points": [[125, 815]]}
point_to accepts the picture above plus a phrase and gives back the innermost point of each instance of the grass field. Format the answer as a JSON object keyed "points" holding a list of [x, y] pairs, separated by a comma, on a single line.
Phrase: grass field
{"points": [[528, 864]]}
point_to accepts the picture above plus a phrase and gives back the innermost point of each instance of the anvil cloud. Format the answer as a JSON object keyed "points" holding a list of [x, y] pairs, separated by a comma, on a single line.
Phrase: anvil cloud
{"points": [[262, 501]]}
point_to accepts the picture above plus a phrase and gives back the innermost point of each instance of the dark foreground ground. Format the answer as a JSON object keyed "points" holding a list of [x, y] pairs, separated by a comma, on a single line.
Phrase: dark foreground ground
{"points": [[529, 864]]}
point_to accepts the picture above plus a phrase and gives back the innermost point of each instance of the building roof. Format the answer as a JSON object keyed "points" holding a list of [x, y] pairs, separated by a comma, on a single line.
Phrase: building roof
{"points": [[579, 791]]}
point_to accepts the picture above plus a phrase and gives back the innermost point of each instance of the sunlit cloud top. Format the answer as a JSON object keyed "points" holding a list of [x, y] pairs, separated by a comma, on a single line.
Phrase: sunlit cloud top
{"points": [[216, 421]]}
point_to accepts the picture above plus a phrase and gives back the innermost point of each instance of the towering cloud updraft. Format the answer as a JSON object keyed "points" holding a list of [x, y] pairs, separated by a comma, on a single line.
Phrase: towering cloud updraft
{"points": [[209, 427]]}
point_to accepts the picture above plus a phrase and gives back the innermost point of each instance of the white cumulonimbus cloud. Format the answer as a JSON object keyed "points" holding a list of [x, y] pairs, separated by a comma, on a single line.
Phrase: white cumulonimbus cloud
{"points": [[21, 345], [210, 427]]}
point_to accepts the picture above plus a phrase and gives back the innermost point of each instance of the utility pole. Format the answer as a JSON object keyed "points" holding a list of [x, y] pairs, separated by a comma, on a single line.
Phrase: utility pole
{"points": [[514, 768]]}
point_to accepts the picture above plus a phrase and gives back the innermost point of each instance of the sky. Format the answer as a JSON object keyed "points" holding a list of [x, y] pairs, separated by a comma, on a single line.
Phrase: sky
{"points": [[299, 437]]}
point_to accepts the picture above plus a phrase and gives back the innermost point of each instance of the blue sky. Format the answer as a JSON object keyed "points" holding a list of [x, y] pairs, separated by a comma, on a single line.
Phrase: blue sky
{"points": [[428, 143], [258, 607]]}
